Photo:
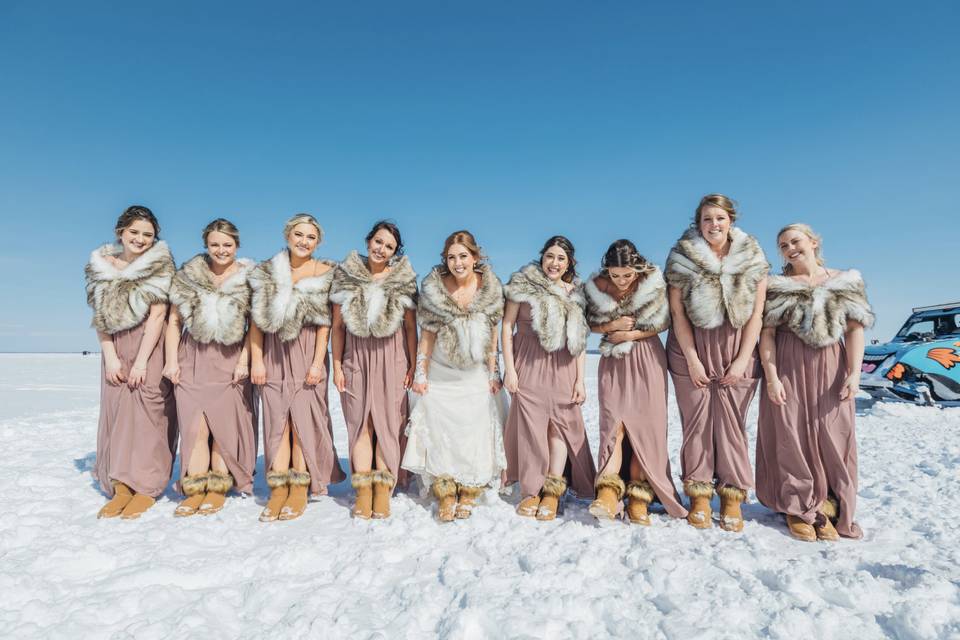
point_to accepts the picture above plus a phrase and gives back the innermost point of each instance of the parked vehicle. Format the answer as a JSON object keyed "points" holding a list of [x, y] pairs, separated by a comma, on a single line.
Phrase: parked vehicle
{"points": [[922, 362]]}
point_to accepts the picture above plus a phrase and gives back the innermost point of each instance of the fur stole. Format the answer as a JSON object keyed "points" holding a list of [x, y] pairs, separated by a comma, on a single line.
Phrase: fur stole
{"points": [[121, 298], [211, 313], [714, 289], [647, 306], [373, 307], [463, 334], [558, 318], [279, 306], [818, 314]]}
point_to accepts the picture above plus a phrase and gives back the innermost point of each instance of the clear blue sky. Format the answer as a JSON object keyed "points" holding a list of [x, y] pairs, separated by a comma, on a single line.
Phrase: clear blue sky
{"points": [[515, 120]]}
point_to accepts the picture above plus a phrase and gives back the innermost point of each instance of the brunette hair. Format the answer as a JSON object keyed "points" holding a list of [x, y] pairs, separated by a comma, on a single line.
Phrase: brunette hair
{"points": [[222, 225], [715, 200], [137, 212], [301, 218], [465, 238], [390, 228], [567, 246], [808, 231], [623, 253]]}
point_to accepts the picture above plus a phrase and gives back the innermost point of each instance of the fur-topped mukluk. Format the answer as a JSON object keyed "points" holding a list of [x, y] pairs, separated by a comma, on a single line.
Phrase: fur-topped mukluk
{"points": [[121, 298], [283, 307], [558, 317], [211, 313], [463, 334], [818, 314], [647, 305], [715, 289], [373, 306]]}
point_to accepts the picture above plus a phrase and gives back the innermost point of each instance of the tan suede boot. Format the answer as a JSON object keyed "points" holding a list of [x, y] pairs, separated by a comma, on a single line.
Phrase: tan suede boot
{"points": [[296, 502], [467, 500], [553, 489], [137, 506], [445, 489], [278, 481], [700, 513], [218, 484], [610, 490], [383, 483], [528, 506], [114, 507], [193, 487], [731, 518], [800, 529], [825, 529], [639, 496], [362, 482]]}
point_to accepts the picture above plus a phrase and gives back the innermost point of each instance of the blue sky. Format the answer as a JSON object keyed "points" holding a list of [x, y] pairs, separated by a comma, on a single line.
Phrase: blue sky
{"points": [[514, 120]]}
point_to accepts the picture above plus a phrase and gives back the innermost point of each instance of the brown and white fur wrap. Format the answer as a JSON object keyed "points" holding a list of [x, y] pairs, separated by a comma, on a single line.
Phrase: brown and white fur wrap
{"points": [[121, 298], [558, 317], [283, 307], [373, 306], [818, 314], [212, 313], [463, 334], [647, 305], [714, 289]]}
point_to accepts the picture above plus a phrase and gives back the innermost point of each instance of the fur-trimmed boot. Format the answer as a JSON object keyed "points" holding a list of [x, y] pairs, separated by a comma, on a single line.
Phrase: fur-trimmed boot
{"points": [[296, 502], [639, 496], [528, 506], [383, 483], [218, 484], [553, 489], [800, 529], [193, 487], [731, 518], [121, 496], [445, 490], [467, 500], [137, 505], [823, 525], [700, 514], [830, 508], [362, 482], [610, 489], [278, 481]]}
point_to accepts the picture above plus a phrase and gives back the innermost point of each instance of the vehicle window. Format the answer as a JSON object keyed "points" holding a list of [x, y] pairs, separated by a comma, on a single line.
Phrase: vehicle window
{"points": [[917, 329], [946, 325]]}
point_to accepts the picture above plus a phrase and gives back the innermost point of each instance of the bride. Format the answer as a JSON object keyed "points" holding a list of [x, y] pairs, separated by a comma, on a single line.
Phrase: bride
{"points": [[455, 439]]}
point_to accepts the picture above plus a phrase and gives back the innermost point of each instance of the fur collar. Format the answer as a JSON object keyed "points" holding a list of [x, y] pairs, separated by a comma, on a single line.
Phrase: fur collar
{"points": [[121, 298], [463, 334], [648, 306], [714, 289], [279, 306], [373, 307], [211, 313], [818, 314], [558, 318]]}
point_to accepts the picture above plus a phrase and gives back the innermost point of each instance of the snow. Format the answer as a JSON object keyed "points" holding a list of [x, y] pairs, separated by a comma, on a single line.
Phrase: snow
{"points": [[66, 574]]}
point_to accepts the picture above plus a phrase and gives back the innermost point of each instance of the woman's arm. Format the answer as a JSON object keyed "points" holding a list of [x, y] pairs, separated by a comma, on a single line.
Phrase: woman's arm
{"points": [[171, 346], [579, 390], [151, 335], [424, 351], [316, 371], [853, 342], [113, 368], [510, 380], [768, 357], [242, 369], [258, 372], [683, 330], [493, 362], [748, 339], [338, 338], [410, 344]]}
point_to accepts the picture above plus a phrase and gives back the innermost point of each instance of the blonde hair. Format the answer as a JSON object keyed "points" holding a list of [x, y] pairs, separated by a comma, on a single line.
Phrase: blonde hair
{"points": [[302, 218], [808, 231], [224, 226], [715, 200]]}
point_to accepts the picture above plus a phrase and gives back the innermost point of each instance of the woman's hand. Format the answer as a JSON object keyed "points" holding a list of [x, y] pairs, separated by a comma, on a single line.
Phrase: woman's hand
{"points": [[138, 375], [171, 371], [616, 337], [734, 373], [419, 388], [776, 392], [697, 373], [495, 386], [851, 385], [113, 370], [339, 380], [579, 392], [240, 372], [258, 373], [314, 374], [623, 323], [511, 382], [408, 378]]}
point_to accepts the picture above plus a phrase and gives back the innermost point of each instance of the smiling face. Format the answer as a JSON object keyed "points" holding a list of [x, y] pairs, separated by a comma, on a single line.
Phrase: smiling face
{"points": [[221, 248], [797, 248], [621, 277], [381, 247], [460, 261], [137, 237], [554, 263], [303, 239], [715, 226]]}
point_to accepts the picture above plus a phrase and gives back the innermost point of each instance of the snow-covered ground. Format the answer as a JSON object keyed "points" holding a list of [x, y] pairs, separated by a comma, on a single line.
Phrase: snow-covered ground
{"points": [[63, 573]]}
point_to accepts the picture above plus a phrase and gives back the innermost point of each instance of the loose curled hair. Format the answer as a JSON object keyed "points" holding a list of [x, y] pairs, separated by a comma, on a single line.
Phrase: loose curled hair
{"points": [[224, 226], [390, 228], [623, 253], [301, 218], [133, 213], [808, 231], [715, 200], [567, 246], [465, 239]]}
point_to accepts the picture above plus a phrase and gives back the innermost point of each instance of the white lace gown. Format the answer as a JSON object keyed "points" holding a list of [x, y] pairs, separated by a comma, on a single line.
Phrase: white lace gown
{"points": [[456, 428]]}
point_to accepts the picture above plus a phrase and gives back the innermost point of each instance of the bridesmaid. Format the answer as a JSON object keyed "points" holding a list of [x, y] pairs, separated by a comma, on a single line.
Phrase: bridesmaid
{"points": [[127, 287], [290, 315], [811, 348], [545, 438], [717, 276], [627, 303], [374, 346], [209, 364]]}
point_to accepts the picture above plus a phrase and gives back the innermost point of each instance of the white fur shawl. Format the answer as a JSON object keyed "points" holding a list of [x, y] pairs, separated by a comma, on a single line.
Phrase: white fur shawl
{"points": [[818, 314], [715, 289], [369, 306], [211, 313], [121, 298], [283, 307], [647, 306], [463, 334], [558, 317]]}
